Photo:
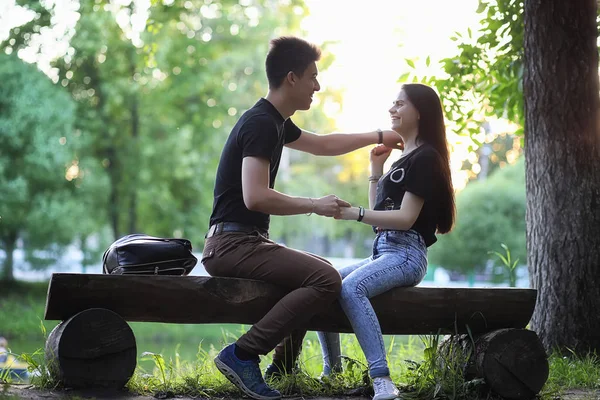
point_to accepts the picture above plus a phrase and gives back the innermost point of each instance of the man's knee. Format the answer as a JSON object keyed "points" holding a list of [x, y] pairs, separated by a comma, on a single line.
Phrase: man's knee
{"points": [[332, 281]]}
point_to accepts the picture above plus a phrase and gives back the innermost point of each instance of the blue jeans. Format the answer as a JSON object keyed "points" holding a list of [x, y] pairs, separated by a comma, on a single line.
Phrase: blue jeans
{"points": [[399, 259]]}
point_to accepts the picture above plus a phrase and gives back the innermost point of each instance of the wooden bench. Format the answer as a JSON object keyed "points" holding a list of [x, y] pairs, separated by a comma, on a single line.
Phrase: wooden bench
{"points": [[94, 345]]}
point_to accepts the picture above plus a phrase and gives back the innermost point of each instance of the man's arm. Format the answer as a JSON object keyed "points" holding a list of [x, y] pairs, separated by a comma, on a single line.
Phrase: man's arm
{"points": [[335, 144], [258, 196]]}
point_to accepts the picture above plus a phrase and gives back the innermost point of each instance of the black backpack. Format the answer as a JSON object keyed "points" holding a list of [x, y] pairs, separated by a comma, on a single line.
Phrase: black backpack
{"points": [[140, 254]]}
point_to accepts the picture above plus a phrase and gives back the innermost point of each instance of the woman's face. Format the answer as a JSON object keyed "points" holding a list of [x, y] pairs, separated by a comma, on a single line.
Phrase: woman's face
{"points": [[403, 113]]}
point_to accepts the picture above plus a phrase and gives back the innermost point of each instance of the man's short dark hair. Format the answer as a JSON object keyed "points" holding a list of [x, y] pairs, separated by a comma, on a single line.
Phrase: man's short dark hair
{"points": [[289, 53]]}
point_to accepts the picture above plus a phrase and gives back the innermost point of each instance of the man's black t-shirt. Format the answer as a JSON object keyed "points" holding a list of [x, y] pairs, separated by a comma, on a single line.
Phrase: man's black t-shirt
{"points": [[420, 173], [260, 132]]}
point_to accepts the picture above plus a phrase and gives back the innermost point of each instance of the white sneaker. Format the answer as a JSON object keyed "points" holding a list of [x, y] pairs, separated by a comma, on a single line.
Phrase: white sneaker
{"points": [[384, 389]]}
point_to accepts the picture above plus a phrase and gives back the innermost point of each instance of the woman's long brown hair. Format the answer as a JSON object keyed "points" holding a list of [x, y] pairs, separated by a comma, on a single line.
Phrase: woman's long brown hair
{"points": [[432, 130]]}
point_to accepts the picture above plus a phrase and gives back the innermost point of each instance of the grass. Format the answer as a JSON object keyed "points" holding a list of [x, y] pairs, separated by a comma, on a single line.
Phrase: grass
{"points": [[22, 308], [441, 374], [573, 372], [418, 367], [201, 378]]}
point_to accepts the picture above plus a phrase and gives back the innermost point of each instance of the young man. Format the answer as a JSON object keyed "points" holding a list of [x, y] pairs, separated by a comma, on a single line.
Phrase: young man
{"points": [[237, 243]]}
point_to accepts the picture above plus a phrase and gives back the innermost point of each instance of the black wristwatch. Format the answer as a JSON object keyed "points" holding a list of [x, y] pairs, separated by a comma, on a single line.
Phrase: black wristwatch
{"points": [[361, 213]]}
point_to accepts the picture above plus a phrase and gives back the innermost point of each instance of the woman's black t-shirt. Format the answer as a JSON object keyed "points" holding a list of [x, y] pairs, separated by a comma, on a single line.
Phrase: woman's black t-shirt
{"points": [[420, 173], [260, 132]]}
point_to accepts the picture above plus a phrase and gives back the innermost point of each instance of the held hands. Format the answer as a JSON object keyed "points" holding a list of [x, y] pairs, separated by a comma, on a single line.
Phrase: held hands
{"points": [[329, 206]]}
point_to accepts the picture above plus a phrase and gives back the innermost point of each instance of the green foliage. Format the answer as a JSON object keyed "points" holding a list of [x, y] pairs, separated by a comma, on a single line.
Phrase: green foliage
{"points": [[156, 110], [38, 187], [441, 373], [498, 150], [485, 77], [508, 264], [489, 212], [21, 35], [488, 70], [572, 371], [201, 378], [22, 310], [37, 367], [206, 87]]}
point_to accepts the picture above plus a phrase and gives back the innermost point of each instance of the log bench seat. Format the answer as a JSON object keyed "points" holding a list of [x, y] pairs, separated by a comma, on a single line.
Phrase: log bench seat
{"points": [[94, 345]]}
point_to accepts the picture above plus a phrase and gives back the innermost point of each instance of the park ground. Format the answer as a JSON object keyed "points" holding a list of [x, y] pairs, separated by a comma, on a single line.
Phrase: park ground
{"points": [[28, 392]]}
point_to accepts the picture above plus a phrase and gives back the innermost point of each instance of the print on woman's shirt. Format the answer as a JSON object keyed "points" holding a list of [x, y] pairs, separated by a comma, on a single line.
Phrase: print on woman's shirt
{"points": [[388, 204], [397, 175]]}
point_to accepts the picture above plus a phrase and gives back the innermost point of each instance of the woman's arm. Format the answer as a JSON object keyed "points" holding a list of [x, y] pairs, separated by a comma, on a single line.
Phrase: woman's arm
{"points": [[372, 192], [402, 219], [378, 156]]}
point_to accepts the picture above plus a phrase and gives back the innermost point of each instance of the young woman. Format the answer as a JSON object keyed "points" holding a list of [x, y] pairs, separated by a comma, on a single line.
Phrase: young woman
{"points": [[409, 204]]}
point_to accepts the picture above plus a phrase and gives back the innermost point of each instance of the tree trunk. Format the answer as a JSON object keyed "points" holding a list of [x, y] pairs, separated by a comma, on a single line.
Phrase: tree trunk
{"points": [[10, 243], [86, 259], [108, 149], [563, 170], [113, 197], [135, 150]]}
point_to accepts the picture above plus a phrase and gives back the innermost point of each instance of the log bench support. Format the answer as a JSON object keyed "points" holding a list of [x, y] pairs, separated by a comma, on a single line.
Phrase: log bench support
{"points": [[94, 346], [512, 362]]}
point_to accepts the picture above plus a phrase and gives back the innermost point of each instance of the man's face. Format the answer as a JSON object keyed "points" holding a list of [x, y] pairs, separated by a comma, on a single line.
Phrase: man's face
{"points": [[305, 87]]}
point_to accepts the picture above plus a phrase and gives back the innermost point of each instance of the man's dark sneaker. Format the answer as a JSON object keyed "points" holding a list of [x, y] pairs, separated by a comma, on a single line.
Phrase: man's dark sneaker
{"points": [[245, 375]]}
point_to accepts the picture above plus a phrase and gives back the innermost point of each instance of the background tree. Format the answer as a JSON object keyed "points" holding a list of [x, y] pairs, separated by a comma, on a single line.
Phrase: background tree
{"points": [[155, 105], [38, 169], [205, 63], [158, 103]]}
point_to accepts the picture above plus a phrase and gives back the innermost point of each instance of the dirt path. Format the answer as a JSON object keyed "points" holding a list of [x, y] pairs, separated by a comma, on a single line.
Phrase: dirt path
{"points": [[27, 392]]}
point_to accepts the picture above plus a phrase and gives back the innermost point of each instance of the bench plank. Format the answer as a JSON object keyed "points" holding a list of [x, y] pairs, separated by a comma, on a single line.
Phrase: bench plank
{"points": [[211, 300]]}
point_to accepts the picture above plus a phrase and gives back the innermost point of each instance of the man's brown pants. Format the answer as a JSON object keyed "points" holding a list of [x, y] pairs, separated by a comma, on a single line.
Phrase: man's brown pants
{"points": [[313, 283]]}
